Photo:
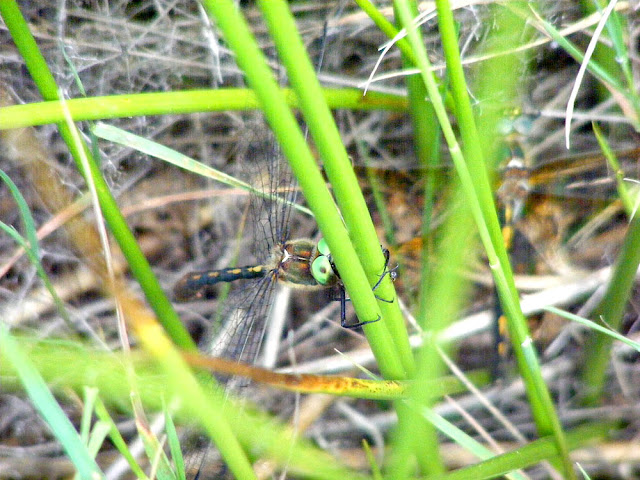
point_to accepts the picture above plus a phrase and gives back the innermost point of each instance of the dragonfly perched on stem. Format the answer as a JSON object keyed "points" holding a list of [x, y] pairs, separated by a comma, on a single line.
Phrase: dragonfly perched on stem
{"points": [[555, 188], [299, 263], [561, 196]]}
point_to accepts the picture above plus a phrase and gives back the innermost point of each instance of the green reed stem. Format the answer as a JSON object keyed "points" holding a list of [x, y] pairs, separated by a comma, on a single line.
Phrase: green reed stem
{"points": [[260, 78], [475, 183], [415, 433], [610, 312], [162, 103], [337, 166], [528, 455]]}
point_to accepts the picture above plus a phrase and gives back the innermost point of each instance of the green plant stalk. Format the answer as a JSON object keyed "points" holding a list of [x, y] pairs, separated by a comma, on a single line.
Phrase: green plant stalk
{"points": [[426, 142], [174, 443], [88, 401], [478, 190], [116, 438], [154, 450], [413, 433], [287, 131], [472, 145], [162, 103], [45, 82], [207, 408], [621, 187], [447, 292], [345, 185], [427, 146], [597, 327], [542, 407], [462, 439], [617, 26], [443, 305], [376, 474], [30, 245], [610, 311], [523, 457]]}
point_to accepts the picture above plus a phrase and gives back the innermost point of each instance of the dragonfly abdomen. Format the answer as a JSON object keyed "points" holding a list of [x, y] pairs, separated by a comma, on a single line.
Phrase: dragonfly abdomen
{"points": [[192, 286]]}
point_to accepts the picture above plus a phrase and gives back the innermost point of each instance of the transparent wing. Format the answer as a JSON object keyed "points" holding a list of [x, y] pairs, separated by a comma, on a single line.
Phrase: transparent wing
{"points": [[271, 174], [238, 332]]}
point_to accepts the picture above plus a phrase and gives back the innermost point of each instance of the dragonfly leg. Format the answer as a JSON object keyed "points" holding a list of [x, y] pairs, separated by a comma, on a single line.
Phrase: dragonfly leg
{"points": [[343, 311], [343, 296], [359, 324], [387, 271]]}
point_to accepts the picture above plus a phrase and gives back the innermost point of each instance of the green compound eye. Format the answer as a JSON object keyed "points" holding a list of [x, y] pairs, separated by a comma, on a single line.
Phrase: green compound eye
{"points": [[323, 248], [321, 269]]}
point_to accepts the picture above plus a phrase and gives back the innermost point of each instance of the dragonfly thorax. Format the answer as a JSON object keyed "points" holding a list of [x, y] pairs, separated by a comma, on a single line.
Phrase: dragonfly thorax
{"points": [[515, 184]]}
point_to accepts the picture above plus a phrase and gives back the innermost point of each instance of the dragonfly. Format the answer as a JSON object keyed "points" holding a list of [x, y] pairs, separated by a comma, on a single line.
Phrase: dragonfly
{"points": [[299, 263], [564, 190], [546, 206], [576, 184]]}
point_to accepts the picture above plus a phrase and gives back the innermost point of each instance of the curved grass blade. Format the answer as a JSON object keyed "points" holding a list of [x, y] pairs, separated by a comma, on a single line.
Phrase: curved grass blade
{"points": [[141, 144], [47, 406], [30, 244]]}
